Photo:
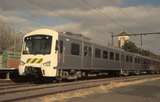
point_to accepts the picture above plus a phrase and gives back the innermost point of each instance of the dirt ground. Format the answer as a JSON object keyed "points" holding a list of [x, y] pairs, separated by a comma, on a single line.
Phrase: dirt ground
{"points": [[147, 90]]}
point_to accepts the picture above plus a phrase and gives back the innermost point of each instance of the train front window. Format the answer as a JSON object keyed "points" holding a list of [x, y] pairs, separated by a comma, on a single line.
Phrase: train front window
{"points": [[37, 44]]}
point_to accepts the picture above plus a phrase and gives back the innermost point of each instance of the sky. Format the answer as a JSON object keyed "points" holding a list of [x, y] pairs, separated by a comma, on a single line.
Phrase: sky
{"points": [[96, 19]]}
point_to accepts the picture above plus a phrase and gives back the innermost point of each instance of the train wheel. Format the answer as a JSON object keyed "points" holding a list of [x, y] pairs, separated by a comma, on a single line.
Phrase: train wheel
{"points": [[14, 76]]}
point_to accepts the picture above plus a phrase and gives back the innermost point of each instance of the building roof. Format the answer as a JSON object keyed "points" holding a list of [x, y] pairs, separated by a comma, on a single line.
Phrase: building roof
{"points": [[123, 33]]}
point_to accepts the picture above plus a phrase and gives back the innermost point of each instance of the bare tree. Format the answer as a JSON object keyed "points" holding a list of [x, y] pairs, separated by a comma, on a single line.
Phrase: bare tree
{"points": [[9, 40]]}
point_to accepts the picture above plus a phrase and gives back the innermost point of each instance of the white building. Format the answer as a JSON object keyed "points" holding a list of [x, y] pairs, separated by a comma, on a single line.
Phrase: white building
{"points": [[122, 38]]}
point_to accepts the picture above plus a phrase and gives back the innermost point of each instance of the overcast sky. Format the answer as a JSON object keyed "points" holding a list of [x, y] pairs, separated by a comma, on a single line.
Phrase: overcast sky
{"points": [[93, 18]]}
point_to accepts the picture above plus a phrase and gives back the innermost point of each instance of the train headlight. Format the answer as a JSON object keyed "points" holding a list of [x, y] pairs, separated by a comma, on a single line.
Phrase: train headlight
{"points": [[47, 63], [22, 63]]}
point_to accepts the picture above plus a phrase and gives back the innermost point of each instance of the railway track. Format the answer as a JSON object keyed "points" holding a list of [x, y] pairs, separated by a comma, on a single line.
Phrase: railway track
{"points": [[5, 81], [33, 91], [8, 84], [15, 86]]}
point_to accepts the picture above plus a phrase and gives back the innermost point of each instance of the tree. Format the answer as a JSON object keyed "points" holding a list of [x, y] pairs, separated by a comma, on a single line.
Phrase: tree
{"points": [[130, 47], [8, 38]]}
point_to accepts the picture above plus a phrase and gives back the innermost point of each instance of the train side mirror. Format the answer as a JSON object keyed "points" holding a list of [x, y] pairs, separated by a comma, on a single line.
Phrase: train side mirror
{"points": [[25, 52]]}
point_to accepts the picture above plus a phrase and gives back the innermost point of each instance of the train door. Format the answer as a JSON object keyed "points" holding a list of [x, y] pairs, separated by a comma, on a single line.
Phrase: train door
{"points": [[122, 62], [61, 53], [87, 53]]}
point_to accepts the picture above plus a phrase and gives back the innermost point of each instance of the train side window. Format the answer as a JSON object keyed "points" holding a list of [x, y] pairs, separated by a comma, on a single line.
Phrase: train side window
{"points": [[75, 49], [117, 56], [97, 53], [143, 61], [61, 46], [135, 60], [127, 58], [122, 58], [105, 54], [138, 61], [131, 59], [90, 51], [111, 56], [85, 50]]}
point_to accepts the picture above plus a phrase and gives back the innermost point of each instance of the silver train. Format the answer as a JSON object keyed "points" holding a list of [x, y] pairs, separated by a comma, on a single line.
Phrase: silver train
{"points": [[50, 54]]}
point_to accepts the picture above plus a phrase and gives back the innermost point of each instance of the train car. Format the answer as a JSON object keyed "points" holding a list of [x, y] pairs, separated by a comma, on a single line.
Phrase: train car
{"points": [[64, 55]]}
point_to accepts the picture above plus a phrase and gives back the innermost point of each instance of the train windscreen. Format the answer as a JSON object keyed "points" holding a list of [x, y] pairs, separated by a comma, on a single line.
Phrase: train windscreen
{"points": [[37, 44]]}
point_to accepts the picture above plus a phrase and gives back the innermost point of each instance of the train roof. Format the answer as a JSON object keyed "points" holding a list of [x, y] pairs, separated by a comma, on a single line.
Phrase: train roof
{"points": [[81, 37], [51, 32], [75, 36], [42, 31]]}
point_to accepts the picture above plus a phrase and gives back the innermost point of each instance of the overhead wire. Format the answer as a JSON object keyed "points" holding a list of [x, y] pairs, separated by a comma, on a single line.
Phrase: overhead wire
{"points": [[85, 2], [88, 5]]}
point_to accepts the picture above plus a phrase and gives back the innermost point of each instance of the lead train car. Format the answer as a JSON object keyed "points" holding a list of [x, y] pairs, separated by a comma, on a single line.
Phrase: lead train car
{"points": [[47, 53]]}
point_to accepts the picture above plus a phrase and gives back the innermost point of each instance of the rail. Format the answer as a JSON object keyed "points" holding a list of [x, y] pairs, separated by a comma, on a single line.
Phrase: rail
{"points": [[17, 94]]}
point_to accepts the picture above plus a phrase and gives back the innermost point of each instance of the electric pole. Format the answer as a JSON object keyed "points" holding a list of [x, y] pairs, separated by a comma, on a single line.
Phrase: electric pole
{"points": [[112, 39]]}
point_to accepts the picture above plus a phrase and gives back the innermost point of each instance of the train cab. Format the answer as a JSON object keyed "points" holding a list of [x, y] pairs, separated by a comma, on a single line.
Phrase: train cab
{"points": [[39, 53]]}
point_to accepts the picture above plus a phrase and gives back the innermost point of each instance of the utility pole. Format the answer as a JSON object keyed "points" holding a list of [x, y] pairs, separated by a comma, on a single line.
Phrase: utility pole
{"points": [[112, 39], [15, 41], [141, 40], [141, 43]]}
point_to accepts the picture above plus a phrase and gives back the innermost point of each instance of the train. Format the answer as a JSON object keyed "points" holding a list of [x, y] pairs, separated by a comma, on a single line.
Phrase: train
{"points": [[64, 55]]}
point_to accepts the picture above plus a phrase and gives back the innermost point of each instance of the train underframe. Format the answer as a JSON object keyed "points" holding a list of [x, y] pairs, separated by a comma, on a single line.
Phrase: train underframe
{"points": [[36, 74], [70, 74]]}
